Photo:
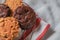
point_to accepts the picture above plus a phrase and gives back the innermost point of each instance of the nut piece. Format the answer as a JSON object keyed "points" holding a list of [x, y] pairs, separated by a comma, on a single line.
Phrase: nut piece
{"points": [[13, 4], [9, 28]]}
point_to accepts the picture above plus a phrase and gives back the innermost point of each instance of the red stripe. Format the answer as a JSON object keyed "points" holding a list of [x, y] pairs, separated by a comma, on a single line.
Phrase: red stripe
{"points": [[43, 33], [27, 32]]}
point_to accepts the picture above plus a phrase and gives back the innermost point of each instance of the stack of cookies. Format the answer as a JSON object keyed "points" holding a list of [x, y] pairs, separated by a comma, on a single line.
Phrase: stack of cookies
{"points": [[14, 16]]}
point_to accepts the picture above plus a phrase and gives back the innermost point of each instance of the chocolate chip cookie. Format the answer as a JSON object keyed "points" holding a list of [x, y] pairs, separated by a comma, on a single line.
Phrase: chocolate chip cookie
{"points": [[25, 15]]}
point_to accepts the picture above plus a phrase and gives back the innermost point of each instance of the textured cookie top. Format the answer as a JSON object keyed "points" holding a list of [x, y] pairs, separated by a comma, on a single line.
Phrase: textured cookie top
{"points": [[25, 15], [9, 28], [13, 4]]}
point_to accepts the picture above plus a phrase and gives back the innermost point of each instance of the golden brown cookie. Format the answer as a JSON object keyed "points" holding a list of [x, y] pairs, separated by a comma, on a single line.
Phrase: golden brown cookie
{"points": [[13, 4], [9, 28]]}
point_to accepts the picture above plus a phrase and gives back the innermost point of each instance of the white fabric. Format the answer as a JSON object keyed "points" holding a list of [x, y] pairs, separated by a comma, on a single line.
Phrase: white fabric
{"points": [[49, 11], [39, 30]]}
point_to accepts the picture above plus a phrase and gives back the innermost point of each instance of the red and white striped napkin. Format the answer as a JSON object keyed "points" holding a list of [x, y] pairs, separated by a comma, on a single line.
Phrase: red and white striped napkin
{"points": [[37, 32]]}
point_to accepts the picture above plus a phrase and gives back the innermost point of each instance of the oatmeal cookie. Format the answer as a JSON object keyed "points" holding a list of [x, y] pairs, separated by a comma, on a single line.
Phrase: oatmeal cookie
{"points": [[9, 28]]}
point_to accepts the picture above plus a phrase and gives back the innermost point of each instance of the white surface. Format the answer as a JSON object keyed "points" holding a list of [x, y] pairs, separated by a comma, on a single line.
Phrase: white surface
{"points": [[2, 1]]}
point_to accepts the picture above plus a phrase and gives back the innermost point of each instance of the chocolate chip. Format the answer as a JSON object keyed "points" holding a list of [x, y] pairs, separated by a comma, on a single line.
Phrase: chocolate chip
{"points": [[5, 36]]}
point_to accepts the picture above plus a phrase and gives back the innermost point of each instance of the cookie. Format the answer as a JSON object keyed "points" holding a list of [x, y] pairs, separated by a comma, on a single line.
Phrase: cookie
{"points": [[9, 28], [4, 10], [25, 15], [13, 4]]}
